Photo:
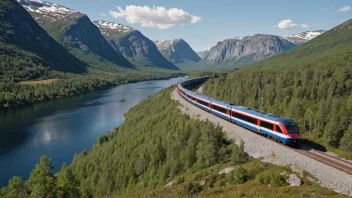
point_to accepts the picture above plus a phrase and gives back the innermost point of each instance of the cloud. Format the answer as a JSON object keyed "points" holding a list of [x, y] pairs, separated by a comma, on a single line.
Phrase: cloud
{"points": [[158, 17], [344, 9], [289, 24], [102, 14]]}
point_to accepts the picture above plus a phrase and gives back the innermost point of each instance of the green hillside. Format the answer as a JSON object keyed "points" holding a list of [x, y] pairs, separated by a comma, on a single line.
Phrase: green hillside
{"points": [[27, 51], [332, 48], [158, 144], [311, 84]]}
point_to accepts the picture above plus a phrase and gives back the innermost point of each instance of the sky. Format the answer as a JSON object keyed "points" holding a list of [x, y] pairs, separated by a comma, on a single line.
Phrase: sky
{"points": [[203, 23]]}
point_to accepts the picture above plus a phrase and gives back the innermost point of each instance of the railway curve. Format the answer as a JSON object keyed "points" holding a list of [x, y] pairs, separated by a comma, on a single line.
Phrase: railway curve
{"points": [[326, 172]]}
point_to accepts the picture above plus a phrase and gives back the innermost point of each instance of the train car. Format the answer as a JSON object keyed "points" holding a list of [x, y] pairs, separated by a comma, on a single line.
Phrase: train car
{"points": [[280, 129]]}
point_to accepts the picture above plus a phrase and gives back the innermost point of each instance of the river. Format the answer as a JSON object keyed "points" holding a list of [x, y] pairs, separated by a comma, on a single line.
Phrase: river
{"points": [[63, 127]]}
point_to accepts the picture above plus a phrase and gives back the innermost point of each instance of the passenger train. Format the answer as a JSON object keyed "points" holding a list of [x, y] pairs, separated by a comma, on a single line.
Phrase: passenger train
{"points": [[280, 129]]}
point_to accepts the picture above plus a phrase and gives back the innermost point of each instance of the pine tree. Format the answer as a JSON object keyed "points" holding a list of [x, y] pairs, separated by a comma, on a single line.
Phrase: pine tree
{"points": [[70, 185], [16, 188], [239, 156], [42, 180]]}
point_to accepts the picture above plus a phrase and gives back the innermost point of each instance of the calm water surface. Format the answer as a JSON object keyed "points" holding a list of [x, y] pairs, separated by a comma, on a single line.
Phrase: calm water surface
{"points": [[64, 127]]}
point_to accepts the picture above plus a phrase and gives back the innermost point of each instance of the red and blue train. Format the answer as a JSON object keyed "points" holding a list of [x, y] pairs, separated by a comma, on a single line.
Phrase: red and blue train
{"points": [[284, 130]]}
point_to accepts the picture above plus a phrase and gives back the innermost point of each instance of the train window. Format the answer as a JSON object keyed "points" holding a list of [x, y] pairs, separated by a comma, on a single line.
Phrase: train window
{"points": [[266, 125], [244, 118], [291, 127], [278, 129], [203, 103], [220, 109]]}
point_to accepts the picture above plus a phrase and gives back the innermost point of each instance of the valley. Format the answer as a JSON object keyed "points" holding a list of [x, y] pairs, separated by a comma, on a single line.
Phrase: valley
{"points": [[89, 107]]}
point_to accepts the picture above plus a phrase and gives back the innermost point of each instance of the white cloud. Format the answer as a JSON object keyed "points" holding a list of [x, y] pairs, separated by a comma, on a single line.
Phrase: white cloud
{"points": [[304, 26], [102, 14], [344, 9], [159, 17], [289, 24]]}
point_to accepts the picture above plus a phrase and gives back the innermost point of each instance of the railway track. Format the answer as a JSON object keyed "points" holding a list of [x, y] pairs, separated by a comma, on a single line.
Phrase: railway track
{"points": [[329, 160]]}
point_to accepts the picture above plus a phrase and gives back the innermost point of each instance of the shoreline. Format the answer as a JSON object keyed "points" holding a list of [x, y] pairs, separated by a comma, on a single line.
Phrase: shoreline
{"points": [[4, 109]]}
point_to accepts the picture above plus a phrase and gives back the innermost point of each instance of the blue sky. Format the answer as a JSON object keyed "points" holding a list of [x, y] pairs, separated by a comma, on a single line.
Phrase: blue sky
{"points": [[219, 19]]}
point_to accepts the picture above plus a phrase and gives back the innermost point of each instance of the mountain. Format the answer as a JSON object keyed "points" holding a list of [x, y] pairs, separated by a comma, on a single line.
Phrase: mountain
{"points": [[303, 37], [239, 51], [310, 84], [177, 51], [133, 45], [203, 54], [329, 49], [26, 50], [76, 32]]}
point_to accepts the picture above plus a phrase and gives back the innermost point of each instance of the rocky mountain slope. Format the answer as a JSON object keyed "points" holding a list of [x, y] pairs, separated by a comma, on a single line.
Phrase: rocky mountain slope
{"points": [[203, 54], [26, 50], [76, 32], [133, 45], [303, 37], [239, 51], [177, 51]]}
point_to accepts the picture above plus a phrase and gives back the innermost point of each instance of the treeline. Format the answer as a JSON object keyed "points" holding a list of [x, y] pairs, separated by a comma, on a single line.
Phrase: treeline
{"points": [[318, 98], [311, 84], [155, 144], [13, 94]]}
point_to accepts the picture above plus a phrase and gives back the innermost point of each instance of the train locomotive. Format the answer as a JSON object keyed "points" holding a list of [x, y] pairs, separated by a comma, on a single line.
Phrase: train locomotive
{"points": [[280, 129]]}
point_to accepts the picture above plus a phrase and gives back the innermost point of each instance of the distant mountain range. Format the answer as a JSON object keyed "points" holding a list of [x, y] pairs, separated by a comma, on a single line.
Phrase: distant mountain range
{"points": [[239, 51], [133, 45], [76, 32], [105, 45], [177, 51]]}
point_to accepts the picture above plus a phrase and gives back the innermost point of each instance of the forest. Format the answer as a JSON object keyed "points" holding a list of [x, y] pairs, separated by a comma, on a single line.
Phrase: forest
{"points": [[15, 94], [311, 84], [158, 144]]}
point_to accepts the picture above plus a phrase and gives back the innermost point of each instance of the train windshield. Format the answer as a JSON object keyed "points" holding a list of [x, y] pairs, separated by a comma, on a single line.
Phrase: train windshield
{"points": [[291, 127]]}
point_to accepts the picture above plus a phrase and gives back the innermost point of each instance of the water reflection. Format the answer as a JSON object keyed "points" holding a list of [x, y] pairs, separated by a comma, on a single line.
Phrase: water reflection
{"points": [[64, 127]]}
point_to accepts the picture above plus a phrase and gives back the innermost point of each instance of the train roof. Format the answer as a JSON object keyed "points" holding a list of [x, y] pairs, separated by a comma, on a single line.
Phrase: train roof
{"points": [[251, 111], [257, 113]]}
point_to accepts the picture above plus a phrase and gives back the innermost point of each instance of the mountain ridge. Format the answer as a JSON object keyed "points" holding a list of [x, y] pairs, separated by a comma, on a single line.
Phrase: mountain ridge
{"points": [[238, 51], [33, 51], [75, 32], [177, 51], [133, 45]]}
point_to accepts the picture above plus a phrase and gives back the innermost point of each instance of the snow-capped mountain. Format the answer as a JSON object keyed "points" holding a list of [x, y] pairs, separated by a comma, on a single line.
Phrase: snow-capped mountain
{"points": [[106, 25], [133, 45], [76, 32], [47, 10], [177, 51], [238, 51], [303, 36], [39, 53]]}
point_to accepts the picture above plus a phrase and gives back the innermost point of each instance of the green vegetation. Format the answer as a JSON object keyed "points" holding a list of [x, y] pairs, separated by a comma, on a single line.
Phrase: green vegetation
{"points": [[27, 51], [311, 84], [158, 144], [13, 94]]}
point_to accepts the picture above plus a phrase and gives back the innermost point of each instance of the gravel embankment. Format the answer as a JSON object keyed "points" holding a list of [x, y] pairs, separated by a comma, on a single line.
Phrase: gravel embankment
{"points": [[258, 146]]}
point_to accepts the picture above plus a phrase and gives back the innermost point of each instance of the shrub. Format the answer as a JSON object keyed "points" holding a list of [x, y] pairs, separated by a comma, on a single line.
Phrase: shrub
{"points": [[274, 179], [239, 176], [238, 155], [193, 188], [180, 180]]}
